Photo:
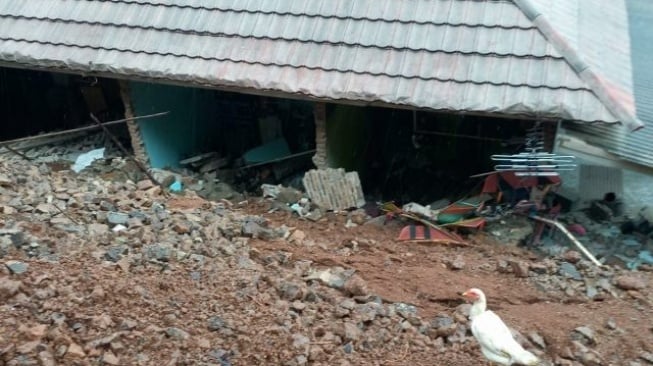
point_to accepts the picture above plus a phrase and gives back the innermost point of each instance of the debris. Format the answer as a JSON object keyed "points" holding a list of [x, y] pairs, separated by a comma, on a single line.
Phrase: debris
{"points": [[214, 164], [75, 351], [578, 244], [9, 288], [630, 282], [418, 209], [572, 256], [458, 263], [333, 189], [16, 267], [124, 151], [79, 129], [302, 208], [86, 159], [569, 270], [520, 268], [117, 218], [423, 234], [587, 333], [175, 187], [144, 185]]}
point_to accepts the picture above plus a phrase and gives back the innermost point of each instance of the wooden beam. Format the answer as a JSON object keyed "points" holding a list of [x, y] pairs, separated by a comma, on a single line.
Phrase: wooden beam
{"points": [[571, 237], [79, 129]]}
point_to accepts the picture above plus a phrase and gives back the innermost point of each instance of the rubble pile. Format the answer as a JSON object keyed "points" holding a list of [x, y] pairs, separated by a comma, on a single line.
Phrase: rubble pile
{"points": [[105, 267], [76, 252], [571, 276]]}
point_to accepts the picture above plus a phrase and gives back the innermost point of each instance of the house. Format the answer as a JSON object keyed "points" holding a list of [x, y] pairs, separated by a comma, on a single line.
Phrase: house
{"points": [[335, 63]]}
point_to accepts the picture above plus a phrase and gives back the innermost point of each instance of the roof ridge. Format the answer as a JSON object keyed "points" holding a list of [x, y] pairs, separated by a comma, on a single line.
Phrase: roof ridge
{"points": [[593, 79]]}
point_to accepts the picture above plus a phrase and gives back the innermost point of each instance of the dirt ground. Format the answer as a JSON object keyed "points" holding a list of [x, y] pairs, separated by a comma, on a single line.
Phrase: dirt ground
{"points": [[84, 310], [418, 274]]}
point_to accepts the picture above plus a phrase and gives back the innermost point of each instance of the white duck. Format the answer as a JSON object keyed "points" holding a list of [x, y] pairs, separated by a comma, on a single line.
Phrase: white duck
{"points": [[497, 343]]}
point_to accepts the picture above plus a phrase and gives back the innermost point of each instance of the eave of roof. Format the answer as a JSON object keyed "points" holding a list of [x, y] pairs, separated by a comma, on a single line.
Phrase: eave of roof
{"points": [[620, 103], [449, 55]]}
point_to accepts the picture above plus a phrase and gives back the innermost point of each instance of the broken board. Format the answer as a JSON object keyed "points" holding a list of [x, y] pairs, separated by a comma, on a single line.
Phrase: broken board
{"points": [[333, 189]]}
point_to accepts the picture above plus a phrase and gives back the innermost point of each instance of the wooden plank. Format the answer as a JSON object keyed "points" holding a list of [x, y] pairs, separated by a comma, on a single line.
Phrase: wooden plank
{"points": [[198, 158]]}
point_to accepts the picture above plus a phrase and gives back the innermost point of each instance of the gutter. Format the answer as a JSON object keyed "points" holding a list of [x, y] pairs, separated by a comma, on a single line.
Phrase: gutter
{"points": [[603, 91]]}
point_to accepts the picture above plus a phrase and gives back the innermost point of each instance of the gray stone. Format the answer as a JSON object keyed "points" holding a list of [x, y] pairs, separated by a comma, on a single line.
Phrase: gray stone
{"points": [[300, 341], [5, 246], [405, 309], [289, 291], [58, 318], [569, 270], [539, 268], [117, 218], [441, 321], [520, 268], [368, 312], [17, 267], [588, 335], [195, 275], [177, 334], [253, 229], [98, 229], [246, 263], [216, 323], [537, 339], [18, 239], [289, 195], [356, 286], [647, 356], [458, 263], [591, 287], [348, 304], [107, 206], [443, 326], [158, 251], [114, 253], [352, 332]]}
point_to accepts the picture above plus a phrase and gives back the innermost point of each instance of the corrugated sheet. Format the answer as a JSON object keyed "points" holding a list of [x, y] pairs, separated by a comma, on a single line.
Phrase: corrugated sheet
{"points": [[638, 147], [634, 147], [462, 55]]}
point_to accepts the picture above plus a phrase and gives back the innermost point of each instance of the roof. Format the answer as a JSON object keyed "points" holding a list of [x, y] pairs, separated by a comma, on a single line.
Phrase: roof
{"points": [[636, 147], [488, 56]]}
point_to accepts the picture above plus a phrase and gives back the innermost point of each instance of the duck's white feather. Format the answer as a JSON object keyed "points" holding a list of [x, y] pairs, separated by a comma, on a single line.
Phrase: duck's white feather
{"points": [[494, 336], [497, 342]]}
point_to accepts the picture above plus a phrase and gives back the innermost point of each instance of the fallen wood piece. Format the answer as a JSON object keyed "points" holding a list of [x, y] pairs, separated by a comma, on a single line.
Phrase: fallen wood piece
{"points": [[79, 129], [214, 164], [571, 236], [198, 158], [17, 153], [477, 223], [278, 159]]}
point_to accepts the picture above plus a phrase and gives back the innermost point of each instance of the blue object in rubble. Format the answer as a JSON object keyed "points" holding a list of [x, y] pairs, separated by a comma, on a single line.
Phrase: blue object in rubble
{"points": [[176, 186]]}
